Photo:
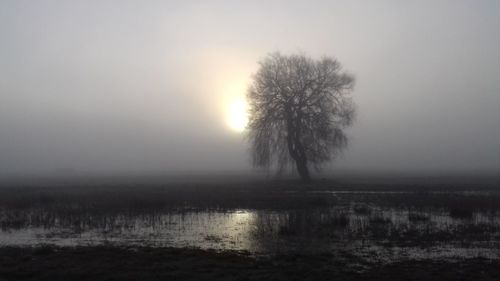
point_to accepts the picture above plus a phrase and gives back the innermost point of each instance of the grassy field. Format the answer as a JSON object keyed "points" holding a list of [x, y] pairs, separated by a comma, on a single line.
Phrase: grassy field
{"points": [[347, 229]]}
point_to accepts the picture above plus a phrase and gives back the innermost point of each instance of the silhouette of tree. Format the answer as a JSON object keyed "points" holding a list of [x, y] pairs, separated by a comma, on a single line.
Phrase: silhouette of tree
{"points": [[298, 110]]}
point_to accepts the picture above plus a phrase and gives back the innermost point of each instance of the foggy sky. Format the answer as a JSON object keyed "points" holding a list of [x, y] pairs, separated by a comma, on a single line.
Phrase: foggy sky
{"points": [[106, 86]]}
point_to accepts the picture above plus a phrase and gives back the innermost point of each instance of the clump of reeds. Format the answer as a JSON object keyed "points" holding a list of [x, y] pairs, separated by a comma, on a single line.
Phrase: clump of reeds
{"points": [[418, 217]]}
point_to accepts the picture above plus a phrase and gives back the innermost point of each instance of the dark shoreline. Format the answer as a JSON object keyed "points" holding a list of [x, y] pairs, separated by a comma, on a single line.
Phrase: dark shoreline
{"points": [[142, 263]]}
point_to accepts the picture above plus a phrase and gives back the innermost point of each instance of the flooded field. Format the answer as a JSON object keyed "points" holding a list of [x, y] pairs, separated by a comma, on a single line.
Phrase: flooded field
{"points": [[381, 225]]}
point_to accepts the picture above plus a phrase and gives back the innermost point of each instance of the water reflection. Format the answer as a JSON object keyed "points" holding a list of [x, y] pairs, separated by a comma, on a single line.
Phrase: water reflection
{"points": [[367, 230]]}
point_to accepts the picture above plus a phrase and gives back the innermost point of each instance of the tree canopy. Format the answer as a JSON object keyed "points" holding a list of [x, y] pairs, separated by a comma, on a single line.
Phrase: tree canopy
{"points": [[299, 108]]}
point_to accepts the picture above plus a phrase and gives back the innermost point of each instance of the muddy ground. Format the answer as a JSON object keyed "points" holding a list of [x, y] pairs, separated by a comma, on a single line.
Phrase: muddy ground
{"points": [[114, 263]]}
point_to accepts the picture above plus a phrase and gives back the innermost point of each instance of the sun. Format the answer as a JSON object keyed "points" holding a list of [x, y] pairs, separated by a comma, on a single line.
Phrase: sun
{"points": [[237, 116]]}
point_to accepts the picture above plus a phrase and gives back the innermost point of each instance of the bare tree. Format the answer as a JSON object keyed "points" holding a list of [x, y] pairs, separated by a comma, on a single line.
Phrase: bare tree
{"points": [[298, 110]]}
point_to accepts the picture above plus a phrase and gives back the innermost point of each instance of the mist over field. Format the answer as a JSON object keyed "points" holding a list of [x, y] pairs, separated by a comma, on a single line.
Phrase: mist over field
{"points": [[142, 87], [249, 140]]}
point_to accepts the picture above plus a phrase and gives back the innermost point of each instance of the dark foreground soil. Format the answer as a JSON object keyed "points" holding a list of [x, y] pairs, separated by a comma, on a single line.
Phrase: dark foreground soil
{"points": [[112, 263]]}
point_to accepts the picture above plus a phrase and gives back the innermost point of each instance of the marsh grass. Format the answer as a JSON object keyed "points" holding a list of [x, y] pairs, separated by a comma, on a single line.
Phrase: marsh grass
{"points": [[277, 213], [418, 217]]}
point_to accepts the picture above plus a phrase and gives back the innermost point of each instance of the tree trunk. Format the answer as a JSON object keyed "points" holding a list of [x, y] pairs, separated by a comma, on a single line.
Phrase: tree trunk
{"points": [[302, 169], [295, 147]]}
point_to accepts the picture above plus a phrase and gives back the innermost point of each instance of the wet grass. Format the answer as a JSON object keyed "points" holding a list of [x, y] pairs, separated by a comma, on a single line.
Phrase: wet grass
{"points": [[283, 210], [461, 213], [158, 197], [362, 209], [418, 217], [298, 230]]}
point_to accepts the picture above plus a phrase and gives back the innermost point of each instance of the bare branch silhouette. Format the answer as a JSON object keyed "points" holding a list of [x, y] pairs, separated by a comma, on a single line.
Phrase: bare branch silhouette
{"points": [[298, 110]]}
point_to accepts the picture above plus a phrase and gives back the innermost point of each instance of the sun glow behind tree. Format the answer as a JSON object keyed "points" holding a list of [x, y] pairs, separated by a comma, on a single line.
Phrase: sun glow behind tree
{"points": [[237, 117]]}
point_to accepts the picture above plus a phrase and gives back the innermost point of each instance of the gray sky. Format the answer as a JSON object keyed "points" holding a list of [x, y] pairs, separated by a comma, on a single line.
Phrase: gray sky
{"points": [[104, 86]]}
